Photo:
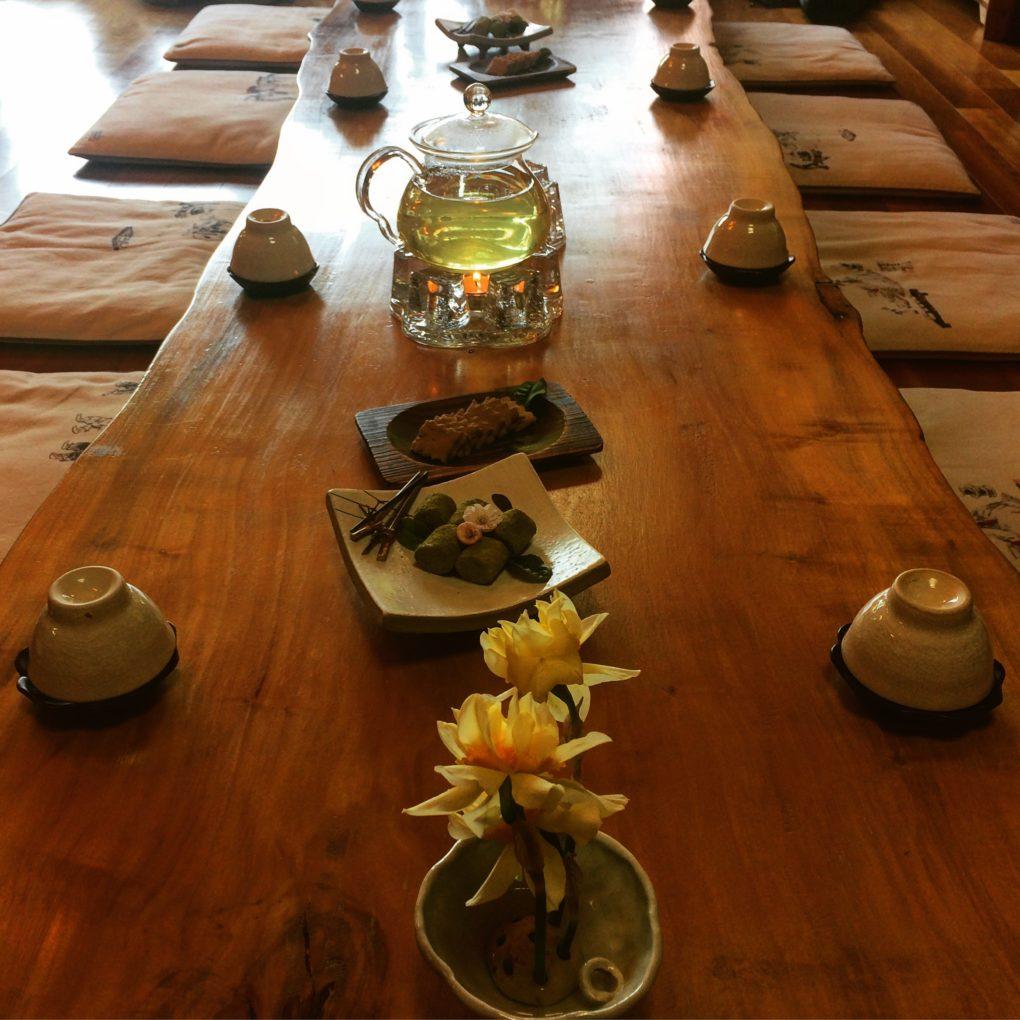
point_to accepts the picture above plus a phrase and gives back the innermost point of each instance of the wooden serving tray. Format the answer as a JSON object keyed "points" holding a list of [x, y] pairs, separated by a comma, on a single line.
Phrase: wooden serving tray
{"points": [[562, 430], [452, 30]]}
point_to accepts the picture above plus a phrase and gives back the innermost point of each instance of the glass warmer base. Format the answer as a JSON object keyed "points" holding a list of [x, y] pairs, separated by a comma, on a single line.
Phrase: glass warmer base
{"points": [[508, 308]]}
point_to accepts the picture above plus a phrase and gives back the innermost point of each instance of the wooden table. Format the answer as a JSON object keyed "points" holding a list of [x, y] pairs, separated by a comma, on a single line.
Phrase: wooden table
{"points": [[239, 849]]}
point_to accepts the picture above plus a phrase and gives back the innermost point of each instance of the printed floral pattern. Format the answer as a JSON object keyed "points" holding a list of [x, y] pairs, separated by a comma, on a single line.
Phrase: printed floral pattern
{"points": [[268, 89], [877, 282], [997, 514]]}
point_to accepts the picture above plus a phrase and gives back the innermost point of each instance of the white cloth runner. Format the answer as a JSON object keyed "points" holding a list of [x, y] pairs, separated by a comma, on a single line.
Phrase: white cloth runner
{"points": [[832, 143], [85, 268], [46, 422], [974, 438], [927, 283], [245, 36], [771, 53], [196, 118]]}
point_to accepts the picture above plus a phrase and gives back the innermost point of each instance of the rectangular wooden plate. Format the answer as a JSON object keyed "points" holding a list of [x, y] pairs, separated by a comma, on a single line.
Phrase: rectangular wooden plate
{"points": [[562, 430]]}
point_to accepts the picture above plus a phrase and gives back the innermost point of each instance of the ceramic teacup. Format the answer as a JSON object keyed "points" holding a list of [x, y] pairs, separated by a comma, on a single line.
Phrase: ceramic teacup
{"points": [[98, 637], [748, 237], [271, 251], [921, 643], [683, 69], [356, 79]]}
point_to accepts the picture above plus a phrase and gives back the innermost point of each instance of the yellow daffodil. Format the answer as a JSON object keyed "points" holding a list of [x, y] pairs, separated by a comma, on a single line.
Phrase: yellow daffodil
{"points": [[523, 746], [534, 656]]}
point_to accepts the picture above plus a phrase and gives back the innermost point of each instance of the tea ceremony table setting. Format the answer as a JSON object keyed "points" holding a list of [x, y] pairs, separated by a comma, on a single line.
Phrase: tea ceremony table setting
{"points": [[509, 512]]}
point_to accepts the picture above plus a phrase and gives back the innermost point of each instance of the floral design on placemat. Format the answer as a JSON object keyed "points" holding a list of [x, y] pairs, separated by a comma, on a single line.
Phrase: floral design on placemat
{"points": [[70, 451], [123, 388], [894, 296], [739, 53], [267, 89], [997, 515], [89, 423], [211, 230], [191, 209], [800, 158], [122, 238]]}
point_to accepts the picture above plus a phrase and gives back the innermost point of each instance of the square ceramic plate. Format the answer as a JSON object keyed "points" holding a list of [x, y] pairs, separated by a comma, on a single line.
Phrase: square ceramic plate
{"points": [[561, 429], [407, 598]]}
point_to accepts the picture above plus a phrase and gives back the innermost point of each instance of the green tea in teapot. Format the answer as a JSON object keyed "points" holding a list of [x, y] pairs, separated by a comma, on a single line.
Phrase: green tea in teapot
{"points": [[480, 219]]}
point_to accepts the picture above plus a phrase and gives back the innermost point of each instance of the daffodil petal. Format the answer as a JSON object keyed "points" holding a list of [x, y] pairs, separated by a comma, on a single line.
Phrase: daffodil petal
{"points": [[455, 799], [595, 675], [555, 875], [534, 792], [591, 624], [489, 780], [503, 874], [572, 748]]}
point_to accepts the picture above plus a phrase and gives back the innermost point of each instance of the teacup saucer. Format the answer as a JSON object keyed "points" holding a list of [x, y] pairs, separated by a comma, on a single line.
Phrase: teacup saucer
{"points": [[281, 288], [375, 6], [747, 277], [683, 95], [892, 710], [356, 102], [121, 705]]}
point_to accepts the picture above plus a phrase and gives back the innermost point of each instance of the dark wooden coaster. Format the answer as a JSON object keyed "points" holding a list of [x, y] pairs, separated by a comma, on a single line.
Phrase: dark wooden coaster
{"points": [[552, 69], [562, 430]]}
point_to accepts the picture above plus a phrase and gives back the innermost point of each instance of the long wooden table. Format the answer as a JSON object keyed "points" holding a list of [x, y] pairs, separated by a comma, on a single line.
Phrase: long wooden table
{"points": [[239, 849]]}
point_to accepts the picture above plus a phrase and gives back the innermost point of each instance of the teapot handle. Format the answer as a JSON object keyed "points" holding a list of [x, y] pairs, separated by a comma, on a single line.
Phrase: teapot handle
{"points": [[365, 174]]}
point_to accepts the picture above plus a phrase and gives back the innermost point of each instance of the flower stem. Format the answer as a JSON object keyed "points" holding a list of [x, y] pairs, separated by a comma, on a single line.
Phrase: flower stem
{"points": [[562, 691]]}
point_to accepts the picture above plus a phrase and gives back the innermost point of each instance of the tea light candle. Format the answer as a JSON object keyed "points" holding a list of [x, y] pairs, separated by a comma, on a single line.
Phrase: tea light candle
{"points": [[476, 283]]}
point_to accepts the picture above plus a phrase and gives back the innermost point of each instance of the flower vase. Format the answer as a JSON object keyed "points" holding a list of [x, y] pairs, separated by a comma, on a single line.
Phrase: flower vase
{"points": [[615, 953]]}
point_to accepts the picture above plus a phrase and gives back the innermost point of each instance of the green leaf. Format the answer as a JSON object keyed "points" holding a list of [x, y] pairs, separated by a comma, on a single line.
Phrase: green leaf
{"points": [[529, 567], [502, 502], [411, 534], [528, 392]]}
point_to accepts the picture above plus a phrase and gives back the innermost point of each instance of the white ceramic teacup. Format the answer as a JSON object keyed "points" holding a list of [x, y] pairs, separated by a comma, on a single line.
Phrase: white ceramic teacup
{"points": [[748, 237], [922, 643], [683, 69], [356, 77], [270, 249], [98, 637]]}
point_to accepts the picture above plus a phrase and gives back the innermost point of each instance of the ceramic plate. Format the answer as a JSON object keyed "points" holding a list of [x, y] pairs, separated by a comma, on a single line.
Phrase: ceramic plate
{"points": [[407, 598], [551, 69], [562, 429]]}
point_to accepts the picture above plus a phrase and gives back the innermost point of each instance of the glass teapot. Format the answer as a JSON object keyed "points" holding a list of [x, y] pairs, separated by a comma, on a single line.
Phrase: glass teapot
{"points": [[474, 205]]}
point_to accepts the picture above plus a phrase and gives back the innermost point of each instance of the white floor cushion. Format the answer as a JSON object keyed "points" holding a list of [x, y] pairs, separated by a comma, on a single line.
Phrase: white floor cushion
{"points": [[247, 36], [832, 143], [772, 53], [198, 118], [83, 268], [974, 438], [927, 283], [46, 422]]}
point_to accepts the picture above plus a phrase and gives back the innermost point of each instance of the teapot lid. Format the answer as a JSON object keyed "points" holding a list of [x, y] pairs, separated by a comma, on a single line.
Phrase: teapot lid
{"points": [[478, 136]]}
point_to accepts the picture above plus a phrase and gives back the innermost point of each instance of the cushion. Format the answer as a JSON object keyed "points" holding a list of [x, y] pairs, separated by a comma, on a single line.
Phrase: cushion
{"points": [[81, 268], [832, 143], [203, 118], [973, 438], [772, 53], [927, 282], [247, 35], [46, 422]]}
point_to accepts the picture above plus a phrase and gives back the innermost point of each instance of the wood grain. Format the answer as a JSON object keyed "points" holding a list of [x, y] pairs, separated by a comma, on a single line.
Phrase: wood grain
{"points": [[239, 849]]}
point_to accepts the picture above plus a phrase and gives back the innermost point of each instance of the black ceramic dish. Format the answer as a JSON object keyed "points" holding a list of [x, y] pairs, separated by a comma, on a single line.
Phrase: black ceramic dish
{"points": [[356, 102], [553, 68], [672, 5], [106, 709], [895, 712], [747, 277], [683, 95], [375, 6], [259, 289]]}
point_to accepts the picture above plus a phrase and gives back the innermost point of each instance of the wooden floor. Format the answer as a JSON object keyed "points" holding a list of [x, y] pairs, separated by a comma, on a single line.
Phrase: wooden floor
{"points": [[970, 88]]}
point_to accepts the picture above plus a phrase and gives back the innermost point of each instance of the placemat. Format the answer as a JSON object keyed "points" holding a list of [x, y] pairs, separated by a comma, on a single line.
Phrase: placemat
{"points": [[47, 420], [766, 53], [974, 437], [927, 283], [835, 143], [196, 118], [246, 36], [86, 268]]}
